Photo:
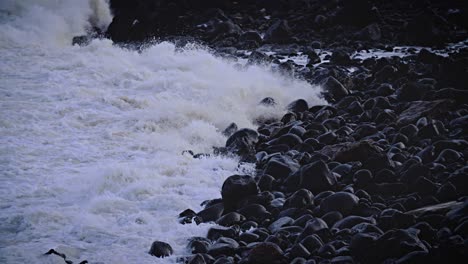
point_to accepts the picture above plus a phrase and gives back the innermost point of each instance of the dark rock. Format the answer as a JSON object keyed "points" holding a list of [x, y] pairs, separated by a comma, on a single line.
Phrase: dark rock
{"points": [[160, 249], [224, 246], [281, 222], [299, 250], [370, 33], [420, 109], [288, 139], [280, 168], [266, 253], [249, 237], [218, 231], [417, 257], [212, 213], [299, 106], [196, 259], [81, 40], [316, 177], [411, 92], [352, 220], [198, 245], [232, 218], [235, 188], [299, 199], [327, 138], [254, 212], [251, 36], [361, 245], [342, 202], [387, 73], [242, 142], [429, 131], [340, 57], [257, 57], [332, 217], [268, 101], [385, 89], [231, 129], [357, 13], [312, 243], [424, 186], [362, 177], [397, 243], [447, 192], [334, 90], [279, 32]]}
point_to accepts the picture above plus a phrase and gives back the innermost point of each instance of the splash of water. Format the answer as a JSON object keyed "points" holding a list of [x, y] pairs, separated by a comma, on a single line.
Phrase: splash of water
{"points": [[91, 137]]}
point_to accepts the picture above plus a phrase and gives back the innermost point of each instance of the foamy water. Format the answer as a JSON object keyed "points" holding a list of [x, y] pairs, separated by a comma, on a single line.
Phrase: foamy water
{"points": [[91, 137]]}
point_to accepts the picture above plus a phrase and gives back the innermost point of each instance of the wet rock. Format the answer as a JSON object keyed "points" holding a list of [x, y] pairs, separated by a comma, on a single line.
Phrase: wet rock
{"points": [[397, 243], [266, 253], [334, 90], [198, 245], [231, 129], [280, 167], [235, 188], [342, 202], [385, 89], [160, 249], [299, 106], [362, 177], [211, 213], [251, 36], [196, 259], [278, 224], [242, 142], [268, 101], [332, 217], [352, 220], [340, 57], [216, 232], [299, 250], [411, 92], [316, 177], [279, 32], [371, 33], [255, 212], [223, 246], [232, 218], [299, 199]]}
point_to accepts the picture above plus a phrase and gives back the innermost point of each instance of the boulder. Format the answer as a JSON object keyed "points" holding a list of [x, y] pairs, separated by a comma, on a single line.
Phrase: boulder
{"points": [[317, 177], [160, 249], [236, 188]]}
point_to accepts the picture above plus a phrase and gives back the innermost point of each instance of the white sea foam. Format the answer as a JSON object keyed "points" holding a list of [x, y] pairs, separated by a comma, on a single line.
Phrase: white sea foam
{"points": [[91, 137]]}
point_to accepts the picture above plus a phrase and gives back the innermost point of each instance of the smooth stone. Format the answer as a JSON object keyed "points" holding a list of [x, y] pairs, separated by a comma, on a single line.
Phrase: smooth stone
{"points": [[160, 249], [235, 188], [352, 220], [342, 202], [317, 177], [266, 253]]}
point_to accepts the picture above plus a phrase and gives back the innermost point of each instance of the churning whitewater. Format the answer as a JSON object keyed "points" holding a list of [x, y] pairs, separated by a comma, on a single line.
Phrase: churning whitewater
{"points": [[91, 137]]}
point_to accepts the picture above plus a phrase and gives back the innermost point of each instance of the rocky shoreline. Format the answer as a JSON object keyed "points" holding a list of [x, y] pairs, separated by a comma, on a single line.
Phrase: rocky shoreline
{"points": [[379, 175]]}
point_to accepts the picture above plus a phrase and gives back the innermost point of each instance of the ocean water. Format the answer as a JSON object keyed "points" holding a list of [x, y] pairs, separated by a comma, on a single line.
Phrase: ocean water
{"points": [[91, 137]]}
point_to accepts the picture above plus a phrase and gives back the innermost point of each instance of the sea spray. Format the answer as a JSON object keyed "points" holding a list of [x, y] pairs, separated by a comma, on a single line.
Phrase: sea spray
{"points": [[92, 137]]}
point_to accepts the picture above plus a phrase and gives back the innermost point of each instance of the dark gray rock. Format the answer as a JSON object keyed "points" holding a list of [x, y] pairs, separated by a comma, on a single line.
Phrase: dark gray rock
{"points": [[317, 177], [334, 90], [279, 32], [160, 249], [236, 188], [266, 253], [342, 202], [352, 220]]}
